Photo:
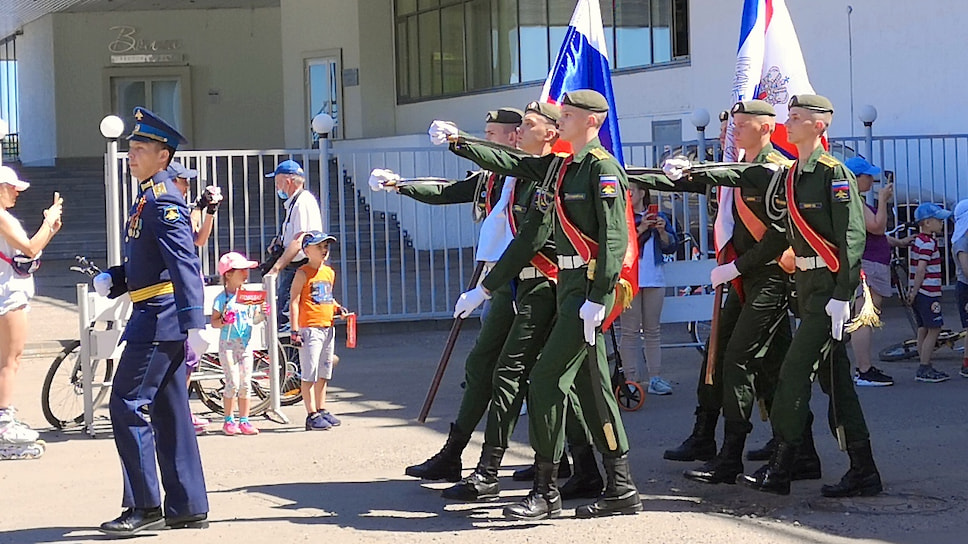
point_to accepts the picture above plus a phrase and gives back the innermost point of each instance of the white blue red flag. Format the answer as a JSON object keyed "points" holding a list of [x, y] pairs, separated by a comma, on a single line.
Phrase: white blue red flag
{"points": [[770, 67], [582, 63]]}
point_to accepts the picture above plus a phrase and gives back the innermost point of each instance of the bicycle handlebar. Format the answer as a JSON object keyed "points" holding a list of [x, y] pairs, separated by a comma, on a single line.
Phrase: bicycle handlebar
{"points": [[907, 225]]}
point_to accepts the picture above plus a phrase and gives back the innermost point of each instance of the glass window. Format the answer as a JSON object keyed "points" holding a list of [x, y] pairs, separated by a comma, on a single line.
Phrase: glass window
{"points": [[447, 47]]}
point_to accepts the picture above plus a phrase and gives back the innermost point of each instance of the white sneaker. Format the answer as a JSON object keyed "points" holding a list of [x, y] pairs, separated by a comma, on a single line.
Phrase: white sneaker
{"points": [[658, 386]]}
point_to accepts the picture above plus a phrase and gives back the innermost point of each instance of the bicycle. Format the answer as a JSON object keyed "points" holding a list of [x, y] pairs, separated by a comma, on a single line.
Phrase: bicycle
{"points": [[908, 349]]}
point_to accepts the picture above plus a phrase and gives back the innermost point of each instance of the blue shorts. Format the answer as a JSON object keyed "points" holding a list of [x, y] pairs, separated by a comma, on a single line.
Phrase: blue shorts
{"points": [[927, 311], [962, 290]]}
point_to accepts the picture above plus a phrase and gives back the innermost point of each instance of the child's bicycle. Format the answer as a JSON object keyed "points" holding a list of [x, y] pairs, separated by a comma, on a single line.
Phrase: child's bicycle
{"points": [[908, 349]]}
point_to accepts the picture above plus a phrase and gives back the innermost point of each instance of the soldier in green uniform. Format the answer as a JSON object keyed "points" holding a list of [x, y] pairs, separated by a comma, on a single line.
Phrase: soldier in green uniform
{"points": [[754, 319], [825, 226], [591, 237]]}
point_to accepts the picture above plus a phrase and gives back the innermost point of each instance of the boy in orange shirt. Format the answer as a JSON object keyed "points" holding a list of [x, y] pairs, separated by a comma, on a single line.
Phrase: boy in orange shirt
{"points": [[312, 309]]}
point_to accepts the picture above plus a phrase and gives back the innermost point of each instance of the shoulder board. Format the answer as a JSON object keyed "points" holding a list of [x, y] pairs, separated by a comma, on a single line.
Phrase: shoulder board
{"points": [[828, 160], [599, 153], [776, 158], [160, 189]]}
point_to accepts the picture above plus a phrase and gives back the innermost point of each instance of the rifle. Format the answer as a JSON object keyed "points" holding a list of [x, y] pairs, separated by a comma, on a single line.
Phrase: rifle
{"points": [[448, 348]]}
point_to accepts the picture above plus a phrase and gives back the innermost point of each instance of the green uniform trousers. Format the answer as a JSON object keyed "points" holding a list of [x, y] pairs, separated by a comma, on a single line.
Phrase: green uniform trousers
{"points": [[562, 365], [754, 336], [810, 356]]}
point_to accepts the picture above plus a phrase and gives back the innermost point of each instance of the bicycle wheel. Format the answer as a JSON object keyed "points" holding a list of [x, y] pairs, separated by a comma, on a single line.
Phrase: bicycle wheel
{"points": [[899, 278], [907, 349], [699, 330], [630, 396], [62, 395], [208, 382], [291, 374]]}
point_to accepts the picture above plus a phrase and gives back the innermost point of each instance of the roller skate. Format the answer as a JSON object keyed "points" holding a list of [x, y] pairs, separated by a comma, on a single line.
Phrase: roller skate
{"points": [[17, 440]]}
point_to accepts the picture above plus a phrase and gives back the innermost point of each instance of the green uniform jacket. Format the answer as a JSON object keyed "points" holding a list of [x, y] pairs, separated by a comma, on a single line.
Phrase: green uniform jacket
{"points": [[593, 194], [837, 217], [754, 184], [473, 188]]}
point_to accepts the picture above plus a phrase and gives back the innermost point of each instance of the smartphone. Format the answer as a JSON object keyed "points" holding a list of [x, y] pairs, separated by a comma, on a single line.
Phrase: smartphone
{"points": [[652, 212]]}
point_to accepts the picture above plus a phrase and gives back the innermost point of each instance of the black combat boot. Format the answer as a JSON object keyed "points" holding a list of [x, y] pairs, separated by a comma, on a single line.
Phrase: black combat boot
{"points": [[806, 463], [701, 444], [862, 479], [445, 465], [620, 496], [527, 474], [482, 484], [544, 501], [725, 467], [773, 477], [586, 481], [762, 454]]}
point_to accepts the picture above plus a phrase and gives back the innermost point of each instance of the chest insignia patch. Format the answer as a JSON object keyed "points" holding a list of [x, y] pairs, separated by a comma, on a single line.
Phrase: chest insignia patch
{"points": [[809, 205], [608, 186], [840, 190], [171, 214], [574, 196]]}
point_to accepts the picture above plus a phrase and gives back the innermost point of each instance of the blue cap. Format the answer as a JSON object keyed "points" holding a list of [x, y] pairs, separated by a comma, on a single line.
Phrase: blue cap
{"points": [[860, 166], [930, 209], [178, 170], [314, 237], [148, 127], [287, 167]]}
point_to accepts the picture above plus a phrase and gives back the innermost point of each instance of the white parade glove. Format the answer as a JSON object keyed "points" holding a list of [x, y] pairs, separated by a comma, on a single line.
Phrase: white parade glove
{"points": [[839, 312], [103, 284], [440, 131], [723, 273], [382, 180], [469, 301], [675, 167], [198, 343], [592, 314]]}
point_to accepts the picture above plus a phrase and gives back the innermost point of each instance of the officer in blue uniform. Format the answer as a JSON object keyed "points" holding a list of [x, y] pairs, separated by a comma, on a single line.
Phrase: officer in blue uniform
{"points": [[161, 273]]}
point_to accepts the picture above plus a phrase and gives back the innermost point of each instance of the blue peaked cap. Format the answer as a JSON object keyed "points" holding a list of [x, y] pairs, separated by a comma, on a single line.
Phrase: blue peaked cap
{"points": [[148, 127]]}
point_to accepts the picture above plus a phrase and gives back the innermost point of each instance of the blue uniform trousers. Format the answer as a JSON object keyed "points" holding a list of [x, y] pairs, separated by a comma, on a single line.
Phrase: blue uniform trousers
{"points": [[153, 374]]}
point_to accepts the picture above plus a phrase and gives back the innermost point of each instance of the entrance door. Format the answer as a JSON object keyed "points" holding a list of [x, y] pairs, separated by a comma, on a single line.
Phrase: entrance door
{"points": [[160, 95], [323, 93]]}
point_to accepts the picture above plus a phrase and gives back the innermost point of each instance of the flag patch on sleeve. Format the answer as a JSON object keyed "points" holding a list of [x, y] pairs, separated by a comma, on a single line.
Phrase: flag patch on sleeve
{"points": [[840, 190], [608, 186]]}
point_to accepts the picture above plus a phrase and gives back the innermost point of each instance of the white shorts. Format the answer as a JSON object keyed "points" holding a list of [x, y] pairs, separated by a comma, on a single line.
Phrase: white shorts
{"points": [[14, 300], [316, 353]]}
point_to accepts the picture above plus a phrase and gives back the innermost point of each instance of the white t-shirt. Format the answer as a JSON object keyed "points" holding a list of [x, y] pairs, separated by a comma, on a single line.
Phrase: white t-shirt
{"points": [[9, 280], [304, 215], [496, 230], [650, 274]]}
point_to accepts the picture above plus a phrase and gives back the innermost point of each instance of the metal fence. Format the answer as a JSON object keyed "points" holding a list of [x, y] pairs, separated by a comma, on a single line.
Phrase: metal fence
{"points": [[398, 259]]}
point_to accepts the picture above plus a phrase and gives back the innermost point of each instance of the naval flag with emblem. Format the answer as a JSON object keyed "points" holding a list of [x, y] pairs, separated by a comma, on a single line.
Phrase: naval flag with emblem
{"points": [[769, 67], [582, 63]]}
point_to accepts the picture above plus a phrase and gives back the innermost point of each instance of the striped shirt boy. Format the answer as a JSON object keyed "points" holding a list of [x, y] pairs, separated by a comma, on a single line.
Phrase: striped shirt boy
{"points": [[925, 248]]}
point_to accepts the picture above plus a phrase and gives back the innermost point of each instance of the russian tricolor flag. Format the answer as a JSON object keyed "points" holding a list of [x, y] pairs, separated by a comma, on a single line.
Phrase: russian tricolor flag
{"points": [[582, 63]]}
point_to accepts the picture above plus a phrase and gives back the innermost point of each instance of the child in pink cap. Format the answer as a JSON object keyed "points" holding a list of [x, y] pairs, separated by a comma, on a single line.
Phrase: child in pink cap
{"points": [[236, 320]]}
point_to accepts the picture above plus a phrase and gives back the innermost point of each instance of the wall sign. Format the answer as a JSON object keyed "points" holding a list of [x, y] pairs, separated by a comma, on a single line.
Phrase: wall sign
{"points": [[128, 41]]}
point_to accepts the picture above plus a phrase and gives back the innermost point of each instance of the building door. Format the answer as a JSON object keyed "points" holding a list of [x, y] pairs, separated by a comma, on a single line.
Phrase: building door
{"points": [[165, 90], [324, 89]]}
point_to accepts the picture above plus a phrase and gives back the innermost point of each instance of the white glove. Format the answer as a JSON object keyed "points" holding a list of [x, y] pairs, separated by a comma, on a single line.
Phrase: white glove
{"points": [[440, 131], [103, 284], [839, 312], [723, 273], [675, 167], [213, 194], [382, 180], [592, 314], [198, 343], [470, 300]]}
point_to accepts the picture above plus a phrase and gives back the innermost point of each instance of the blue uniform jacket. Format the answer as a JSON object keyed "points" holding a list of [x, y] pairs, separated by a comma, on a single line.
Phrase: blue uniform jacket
{"points": [[158, 248]]}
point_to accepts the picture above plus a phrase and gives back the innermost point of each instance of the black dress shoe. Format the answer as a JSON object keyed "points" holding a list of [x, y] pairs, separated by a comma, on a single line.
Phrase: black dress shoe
{"points": [[191, 521], [133, 521]]}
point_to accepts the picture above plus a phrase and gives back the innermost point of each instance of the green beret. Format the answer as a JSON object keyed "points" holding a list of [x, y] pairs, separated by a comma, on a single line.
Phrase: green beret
{"points": [[550, 112], [586, 99], [812, 102], [505, 116], [724, 116], [754, 107]]}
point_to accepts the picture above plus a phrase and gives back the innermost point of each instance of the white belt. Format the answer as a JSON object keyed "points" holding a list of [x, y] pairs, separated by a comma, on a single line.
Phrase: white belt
{"points": [[810, 263], [530, 273], [570, 262]]}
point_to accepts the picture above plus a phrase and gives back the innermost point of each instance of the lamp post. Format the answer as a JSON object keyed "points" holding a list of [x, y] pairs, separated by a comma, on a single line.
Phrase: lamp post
{"points": [[4, 128], [322, 125], [699, 119], [111, 128], [867, 115]]}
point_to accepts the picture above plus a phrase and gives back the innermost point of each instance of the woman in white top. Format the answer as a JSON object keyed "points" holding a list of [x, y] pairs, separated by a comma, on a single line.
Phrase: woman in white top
{"points": [[16, 290]]}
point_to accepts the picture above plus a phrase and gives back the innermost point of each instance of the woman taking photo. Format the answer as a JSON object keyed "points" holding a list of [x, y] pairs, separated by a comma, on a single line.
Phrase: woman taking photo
{"points": [[19, 259]]}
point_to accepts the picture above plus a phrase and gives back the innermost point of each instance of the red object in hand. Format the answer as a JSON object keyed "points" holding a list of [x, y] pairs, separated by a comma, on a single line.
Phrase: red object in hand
{"points": [[350, 330], [652, 212]]}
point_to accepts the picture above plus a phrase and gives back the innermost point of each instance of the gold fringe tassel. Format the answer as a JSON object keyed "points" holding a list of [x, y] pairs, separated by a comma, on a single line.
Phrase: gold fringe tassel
{"points": [[869, 314], [623, 294]]}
